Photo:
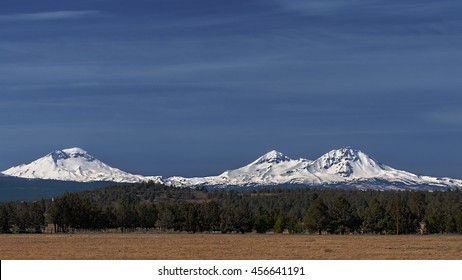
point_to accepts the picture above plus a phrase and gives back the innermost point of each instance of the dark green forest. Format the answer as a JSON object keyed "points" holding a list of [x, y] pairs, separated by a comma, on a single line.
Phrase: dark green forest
{"points": [[154, 207]]}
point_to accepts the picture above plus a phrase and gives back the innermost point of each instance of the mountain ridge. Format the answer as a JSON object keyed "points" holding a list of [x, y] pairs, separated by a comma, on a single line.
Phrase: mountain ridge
{"points": [[345, 166]]}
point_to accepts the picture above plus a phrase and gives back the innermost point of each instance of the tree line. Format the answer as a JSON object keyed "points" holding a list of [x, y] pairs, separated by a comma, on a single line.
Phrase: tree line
{"points": [[149, 206], [22, 217]]}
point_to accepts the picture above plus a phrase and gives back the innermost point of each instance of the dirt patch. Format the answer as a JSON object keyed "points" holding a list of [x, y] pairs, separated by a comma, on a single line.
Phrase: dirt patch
{"points": [[228, 246]]}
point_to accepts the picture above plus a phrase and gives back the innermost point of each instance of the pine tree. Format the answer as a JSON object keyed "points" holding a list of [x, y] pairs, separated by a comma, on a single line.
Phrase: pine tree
{"points": [[451, 225], [211, 216], [5, 218], [244, 217], [166, 217], [261, 224], [295, 226], [317, 217], [228, 221], [374, 217], [343, 216], [147, 215], [279, 225], [37, 218], [191, 218], [126, 216]]}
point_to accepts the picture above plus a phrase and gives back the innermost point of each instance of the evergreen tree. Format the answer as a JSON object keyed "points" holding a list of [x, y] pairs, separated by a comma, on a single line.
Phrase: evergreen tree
{"points": [[400, 218], [228, 221], [191, 217], [147, 215], [434, 223], [261, 224], [317, 217], [23, 217], [343, 216], [459, 223], [451, 225], [211, 216], [435, 219], [418, 205], [244, 217], [279, 225], [374, 217], [166, 218], [295, 226], [37, 218], [6, 218], [126, 216]]}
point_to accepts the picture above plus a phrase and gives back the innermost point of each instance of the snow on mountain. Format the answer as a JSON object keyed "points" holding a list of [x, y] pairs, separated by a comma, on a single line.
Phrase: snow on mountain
{"points": [[74, 164], [271, 168], [340, 168], [343, 167], [346, 163], [349, 165]]}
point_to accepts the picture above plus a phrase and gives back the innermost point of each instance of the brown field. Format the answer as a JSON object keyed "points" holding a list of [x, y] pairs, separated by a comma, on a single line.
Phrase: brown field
{"points": [[228, 246]]}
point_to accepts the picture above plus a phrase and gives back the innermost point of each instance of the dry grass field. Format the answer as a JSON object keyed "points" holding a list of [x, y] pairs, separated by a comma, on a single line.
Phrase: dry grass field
{"points": [[228, 246]]}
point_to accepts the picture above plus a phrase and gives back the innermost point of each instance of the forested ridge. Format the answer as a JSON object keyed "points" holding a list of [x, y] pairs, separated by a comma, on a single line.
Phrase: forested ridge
{"points": [[150, 206]]}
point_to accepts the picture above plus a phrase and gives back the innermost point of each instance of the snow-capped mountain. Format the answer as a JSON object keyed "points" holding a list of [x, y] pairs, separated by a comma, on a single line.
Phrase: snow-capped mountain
{"points": [[344, 167], [270, 168], [74, 164]]}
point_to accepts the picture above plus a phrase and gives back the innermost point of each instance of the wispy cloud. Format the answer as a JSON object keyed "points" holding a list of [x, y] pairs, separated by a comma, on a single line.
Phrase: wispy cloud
{"points": [[447, 117], [315, 6], [43, 16], [375, 10], [322, 7]]}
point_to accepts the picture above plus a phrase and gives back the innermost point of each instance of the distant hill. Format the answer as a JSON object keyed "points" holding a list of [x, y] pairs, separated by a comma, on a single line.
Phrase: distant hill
{"points": [[12, 188]]}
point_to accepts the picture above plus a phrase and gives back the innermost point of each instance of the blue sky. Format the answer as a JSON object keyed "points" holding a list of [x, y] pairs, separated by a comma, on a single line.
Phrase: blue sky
{"points": [[193, 88]]}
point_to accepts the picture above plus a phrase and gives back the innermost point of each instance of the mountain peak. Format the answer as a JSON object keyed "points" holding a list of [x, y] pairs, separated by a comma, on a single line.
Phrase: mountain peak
{"points": [[347, 162], [75, 150], [71, 153], [346, 153], [58, 155], [272, 157]]}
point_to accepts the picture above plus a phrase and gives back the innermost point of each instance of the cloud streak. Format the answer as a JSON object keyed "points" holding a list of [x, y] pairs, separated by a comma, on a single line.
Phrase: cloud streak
{"points": [[45, 16], [315, 6], [447, 117], [383, 13]]}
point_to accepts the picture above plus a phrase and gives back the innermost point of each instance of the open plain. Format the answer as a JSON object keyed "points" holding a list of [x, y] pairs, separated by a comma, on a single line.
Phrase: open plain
{"points": [[228, 246]]}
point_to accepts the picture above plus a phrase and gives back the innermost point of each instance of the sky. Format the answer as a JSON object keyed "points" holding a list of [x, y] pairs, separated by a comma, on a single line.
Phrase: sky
{"points": [[193, 88]]}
